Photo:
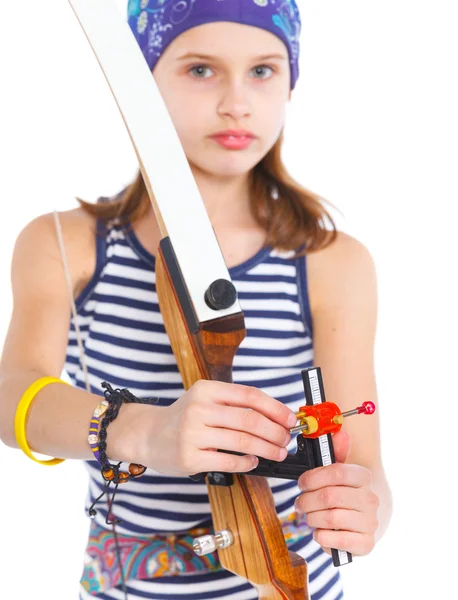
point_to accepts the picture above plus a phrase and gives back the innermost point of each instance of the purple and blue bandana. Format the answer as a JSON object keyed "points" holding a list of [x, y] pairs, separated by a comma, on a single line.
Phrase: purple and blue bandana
{"points": [[156, 23]]}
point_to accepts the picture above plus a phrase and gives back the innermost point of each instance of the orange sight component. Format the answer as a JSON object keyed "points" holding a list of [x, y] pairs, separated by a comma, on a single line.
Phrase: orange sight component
{"points": [[319, 419]]}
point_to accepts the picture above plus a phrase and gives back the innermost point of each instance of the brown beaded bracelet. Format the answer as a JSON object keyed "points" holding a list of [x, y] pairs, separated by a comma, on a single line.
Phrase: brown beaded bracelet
{"points": [[104, 414]]}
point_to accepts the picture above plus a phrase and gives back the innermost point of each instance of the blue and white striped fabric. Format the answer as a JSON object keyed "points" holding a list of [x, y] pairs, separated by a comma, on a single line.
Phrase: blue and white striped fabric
{"points": [[125, 343]]}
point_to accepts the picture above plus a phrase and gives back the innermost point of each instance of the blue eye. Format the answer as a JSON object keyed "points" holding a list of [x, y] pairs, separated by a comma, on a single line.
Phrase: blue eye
{"points": [[201, 67], [200, 70], [262, 67]]}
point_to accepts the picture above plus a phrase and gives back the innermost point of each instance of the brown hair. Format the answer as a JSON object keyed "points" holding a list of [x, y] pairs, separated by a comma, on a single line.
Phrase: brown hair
{"points": [[290, 214]]}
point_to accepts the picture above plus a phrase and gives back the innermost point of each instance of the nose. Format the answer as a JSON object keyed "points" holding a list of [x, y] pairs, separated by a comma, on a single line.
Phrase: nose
{"points": [[235, 101]]}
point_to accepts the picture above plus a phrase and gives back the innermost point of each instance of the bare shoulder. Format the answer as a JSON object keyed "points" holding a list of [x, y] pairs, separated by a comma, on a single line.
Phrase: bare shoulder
{"points": [[37, 245], [336, 270]]}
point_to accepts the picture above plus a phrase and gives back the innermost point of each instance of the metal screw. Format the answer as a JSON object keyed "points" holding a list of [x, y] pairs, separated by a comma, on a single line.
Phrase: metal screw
{"points": [[209, 543]]}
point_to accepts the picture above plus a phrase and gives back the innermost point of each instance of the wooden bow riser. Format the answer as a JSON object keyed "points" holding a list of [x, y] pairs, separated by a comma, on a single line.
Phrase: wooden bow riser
{"points": [[246, 507]]}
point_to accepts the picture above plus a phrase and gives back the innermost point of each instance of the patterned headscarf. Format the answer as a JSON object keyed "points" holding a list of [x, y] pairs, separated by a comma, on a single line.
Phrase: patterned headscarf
{"points": [[156, 23]]}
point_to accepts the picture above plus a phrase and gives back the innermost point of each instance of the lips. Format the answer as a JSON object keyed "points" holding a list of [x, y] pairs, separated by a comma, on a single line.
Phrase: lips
{"points": [[235, 133], [233, 142], [234, 139]]}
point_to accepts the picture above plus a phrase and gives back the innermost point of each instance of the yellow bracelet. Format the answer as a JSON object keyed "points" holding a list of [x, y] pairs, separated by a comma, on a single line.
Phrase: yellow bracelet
{"points": [[21, 415]]}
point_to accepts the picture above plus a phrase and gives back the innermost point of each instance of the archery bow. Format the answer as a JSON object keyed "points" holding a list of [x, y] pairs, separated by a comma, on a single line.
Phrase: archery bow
{"points": [[202, 316]]}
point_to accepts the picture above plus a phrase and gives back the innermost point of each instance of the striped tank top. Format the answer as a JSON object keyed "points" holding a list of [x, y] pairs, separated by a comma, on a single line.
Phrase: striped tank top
{"points": [[125, 344]]}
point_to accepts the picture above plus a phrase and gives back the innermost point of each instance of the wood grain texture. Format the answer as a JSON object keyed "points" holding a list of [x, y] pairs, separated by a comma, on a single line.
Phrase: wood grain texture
{"points": [[259, 552]]}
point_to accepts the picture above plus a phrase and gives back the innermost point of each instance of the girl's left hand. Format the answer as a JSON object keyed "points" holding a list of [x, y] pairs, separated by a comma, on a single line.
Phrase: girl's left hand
{"points": [[339, 497]]}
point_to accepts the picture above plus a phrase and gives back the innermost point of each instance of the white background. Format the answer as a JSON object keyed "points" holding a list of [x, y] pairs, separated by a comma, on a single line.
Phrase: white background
{"points": [[372, 127]]}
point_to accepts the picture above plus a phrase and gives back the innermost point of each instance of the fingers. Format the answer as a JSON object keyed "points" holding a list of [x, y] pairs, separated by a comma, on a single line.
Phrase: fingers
{"points": [[221, 462], [237, 441], [333, 497], [248, 397], [249, 421], [236, 418], [356, 543], [336, 474], [344, 519]]}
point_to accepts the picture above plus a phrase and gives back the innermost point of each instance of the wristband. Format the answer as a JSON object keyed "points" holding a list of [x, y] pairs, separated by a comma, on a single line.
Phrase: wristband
{"points": [[21, 416]]}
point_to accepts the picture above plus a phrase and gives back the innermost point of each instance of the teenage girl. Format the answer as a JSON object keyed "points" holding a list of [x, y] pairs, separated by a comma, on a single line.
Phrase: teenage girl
{"points": [[226, 70]]}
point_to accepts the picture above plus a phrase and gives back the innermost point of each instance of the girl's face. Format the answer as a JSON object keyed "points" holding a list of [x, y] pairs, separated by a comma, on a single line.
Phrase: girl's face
{"points": [[230, 87]]}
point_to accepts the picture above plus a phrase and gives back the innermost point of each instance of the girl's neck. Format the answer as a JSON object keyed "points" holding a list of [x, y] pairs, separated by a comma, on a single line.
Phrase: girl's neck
{"points": [[227, 203]]}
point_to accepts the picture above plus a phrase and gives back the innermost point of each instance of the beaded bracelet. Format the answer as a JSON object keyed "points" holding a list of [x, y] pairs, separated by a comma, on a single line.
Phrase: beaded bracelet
{"points": [[93, 437], [105, 413], [109, 410]]}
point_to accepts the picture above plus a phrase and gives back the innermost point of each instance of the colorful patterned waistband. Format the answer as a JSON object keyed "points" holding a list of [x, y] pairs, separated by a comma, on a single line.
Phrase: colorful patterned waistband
{"points": [[159, 555]]}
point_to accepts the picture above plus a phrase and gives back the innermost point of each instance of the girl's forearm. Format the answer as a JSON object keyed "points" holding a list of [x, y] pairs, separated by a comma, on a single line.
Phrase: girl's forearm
{"points": [[58, 419]]}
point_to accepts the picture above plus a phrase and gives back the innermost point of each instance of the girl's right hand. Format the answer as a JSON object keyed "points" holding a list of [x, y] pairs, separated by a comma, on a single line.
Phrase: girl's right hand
{"points": [[183, 438]]}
